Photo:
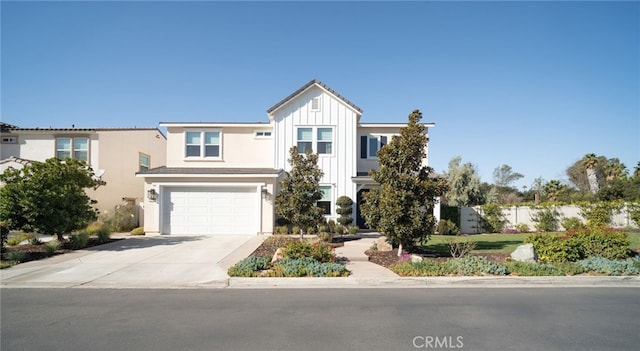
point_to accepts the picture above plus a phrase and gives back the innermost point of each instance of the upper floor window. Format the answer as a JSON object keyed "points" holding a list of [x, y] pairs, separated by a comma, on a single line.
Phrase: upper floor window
{"points": [[144, 162], [77, 147], [202, 144], [370, 145], [321, 138]]}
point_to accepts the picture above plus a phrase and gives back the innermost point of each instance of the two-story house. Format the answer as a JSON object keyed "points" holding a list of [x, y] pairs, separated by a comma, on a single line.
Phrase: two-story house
{"points": [[222, 178], [115, 154]]}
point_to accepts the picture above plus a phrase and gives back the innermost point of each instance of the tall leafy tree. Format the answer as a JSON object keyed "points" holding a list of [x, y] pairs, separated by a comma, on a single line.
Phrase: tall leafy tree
{"points": [[300, 190], [464, 188], [48, 197], [614, 169], [503, 178], [400, 207]]}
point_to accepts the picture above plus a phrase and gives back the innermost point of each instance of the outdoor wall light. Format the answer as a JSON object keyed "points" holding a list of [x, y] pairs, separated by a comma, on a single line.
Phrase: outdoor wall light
{"points": [[152, 194], [264, 193]]}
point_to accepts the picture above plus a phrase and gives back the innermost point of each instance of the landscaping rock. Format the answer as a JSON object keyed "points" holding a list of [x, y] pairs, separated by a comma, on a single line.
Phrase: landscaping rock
{"points": [[383, 245], [524, 253], [277, 256], [415, 258]]}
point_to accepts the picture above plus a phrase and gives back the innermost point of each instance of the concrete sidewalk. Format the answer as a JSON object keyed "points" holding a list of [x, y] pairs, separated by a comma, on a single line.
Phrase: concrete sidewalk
{"points": [[165, 262]]}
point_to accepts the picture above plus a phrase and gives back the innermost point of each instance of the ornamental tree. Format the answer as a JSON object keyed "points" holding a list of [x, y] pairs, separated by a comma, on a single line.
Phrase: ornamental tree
{"points": [[400, 208], [300, 190], [48, 197]]}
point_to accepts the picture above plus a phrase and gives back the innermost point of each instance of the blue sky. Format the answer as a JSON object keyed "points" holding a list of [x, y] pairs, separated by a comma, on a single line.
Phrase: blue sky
{"points": [[535, 85]]}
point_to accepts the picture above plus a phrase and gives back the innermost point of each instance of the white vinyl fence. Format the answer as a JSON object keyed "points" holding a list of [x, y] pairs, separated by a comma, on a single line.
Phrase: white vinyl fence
{"points": [[514, 215]]}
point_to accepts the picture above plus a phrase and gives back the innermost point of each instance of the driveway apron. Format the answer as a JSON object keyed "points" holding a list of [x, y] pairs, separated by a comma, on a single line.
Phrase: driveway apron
{"points": [[136, 262]]}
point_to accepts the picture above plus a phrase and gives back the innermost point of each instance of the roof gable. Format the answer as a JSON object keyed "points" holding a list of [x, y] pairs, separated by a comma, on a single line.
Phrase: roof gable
{"points": [[305, 88]]}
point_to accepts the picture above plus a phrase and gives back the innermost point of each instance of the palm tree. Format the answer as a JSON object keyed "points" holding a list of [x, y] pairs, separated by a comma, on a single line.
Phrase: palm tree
{"points": [[614, 169], [552, 189], [590, 162], [636, 171]]}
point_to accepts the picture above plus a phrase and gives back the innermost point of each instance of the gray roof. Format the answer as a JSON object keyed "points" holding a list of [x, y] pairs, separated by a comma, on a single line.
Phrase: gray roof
{"points": [[5, 127], [304, 87], [212, 171]]}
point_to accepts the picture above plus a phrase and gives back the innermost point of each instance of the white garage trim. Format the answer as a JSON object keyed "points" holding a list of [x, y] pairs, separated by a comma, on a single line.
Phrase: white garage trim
{"points": [[210, 208]]}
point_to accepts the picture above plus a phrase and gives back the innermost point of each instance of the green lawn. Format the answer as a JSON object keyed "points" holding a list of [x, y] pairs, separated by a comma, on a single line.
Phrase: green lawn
{"points": [[496, 243]]}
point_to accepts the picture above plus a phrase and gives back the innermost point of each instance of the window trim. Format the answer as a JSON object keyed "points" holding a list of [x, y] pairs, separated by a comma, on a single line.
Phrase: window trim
{"points": [[201, 156], [72, 146], [314, 139], [140, 156]]}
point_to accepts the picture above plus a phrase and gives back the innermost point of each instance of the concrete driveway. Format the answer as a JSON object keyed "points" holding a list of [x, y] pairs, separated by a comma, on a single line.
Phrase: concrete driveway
{"points": [[136, 262]]}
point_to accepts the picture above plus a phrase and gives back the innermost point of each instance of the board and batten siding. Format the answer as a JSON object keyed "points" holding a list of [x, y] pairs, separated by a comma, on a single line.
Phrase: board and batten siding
{"points": [[338, 167]]}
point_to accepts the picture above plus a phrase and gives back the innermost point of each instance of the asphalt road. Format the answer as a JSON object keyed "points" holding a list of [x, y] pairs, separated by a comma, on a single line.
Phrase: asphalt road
{"points": [[321, 319]]}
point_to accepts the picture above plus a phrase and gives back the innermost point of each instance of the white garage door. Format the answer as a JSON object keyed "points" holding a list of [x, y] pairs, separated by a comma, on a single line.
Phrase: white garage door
{"points": [[200, 210]]}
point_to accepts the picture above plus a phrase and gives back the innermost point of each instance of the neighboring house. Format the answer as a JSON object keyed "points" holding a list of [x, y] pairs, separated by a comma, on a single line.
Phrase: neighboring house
{"points": [[222, 178], [115, 154]]}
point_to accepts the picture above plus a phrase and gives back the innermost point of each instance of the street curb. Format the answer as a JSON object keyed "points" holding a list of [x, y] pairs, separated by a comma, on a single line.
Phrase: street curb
{"points": [[434, 282]]}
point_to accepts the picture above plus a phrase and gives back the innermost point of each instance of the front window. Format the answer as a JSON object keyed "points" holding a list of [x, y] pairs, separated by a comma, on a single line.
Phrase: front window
{"points": [[77, 148], [144, 162], [202, 144], [305, 139], [325, 200], [375, 144], [319, 140], [325, 137]]}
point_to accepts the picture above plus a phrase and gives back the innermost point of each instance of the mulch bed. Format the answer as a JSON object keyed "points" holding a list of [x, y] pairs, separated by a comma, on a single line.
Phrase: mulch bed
{"points": [[269, 247], [38, 252]]}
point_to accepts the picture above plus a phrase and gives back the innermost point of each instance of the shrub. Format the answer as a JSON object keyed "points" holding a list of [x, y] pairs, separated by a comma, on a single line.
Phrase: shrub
{"points": [[307, 267], [352, 229], [605, 242], [554, 248], [571, 223], [311, 230], [137, 231], [523, 228], [16, 240], [249, 266], [605, 266], [297, 249], [634, 212], [532, 269], [492, 220], [123, 218], [78, 241], [323, 228], [580, 244], [34, 239], [344, 209], [339, 229], [477, 265], [322, 252], [447, 227], [51, 247], [15, 256], [331, 226], [424, 268], [326, 237], [4, 235], [277, 241], [546, 219], [295, 229], [460, 248]]}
